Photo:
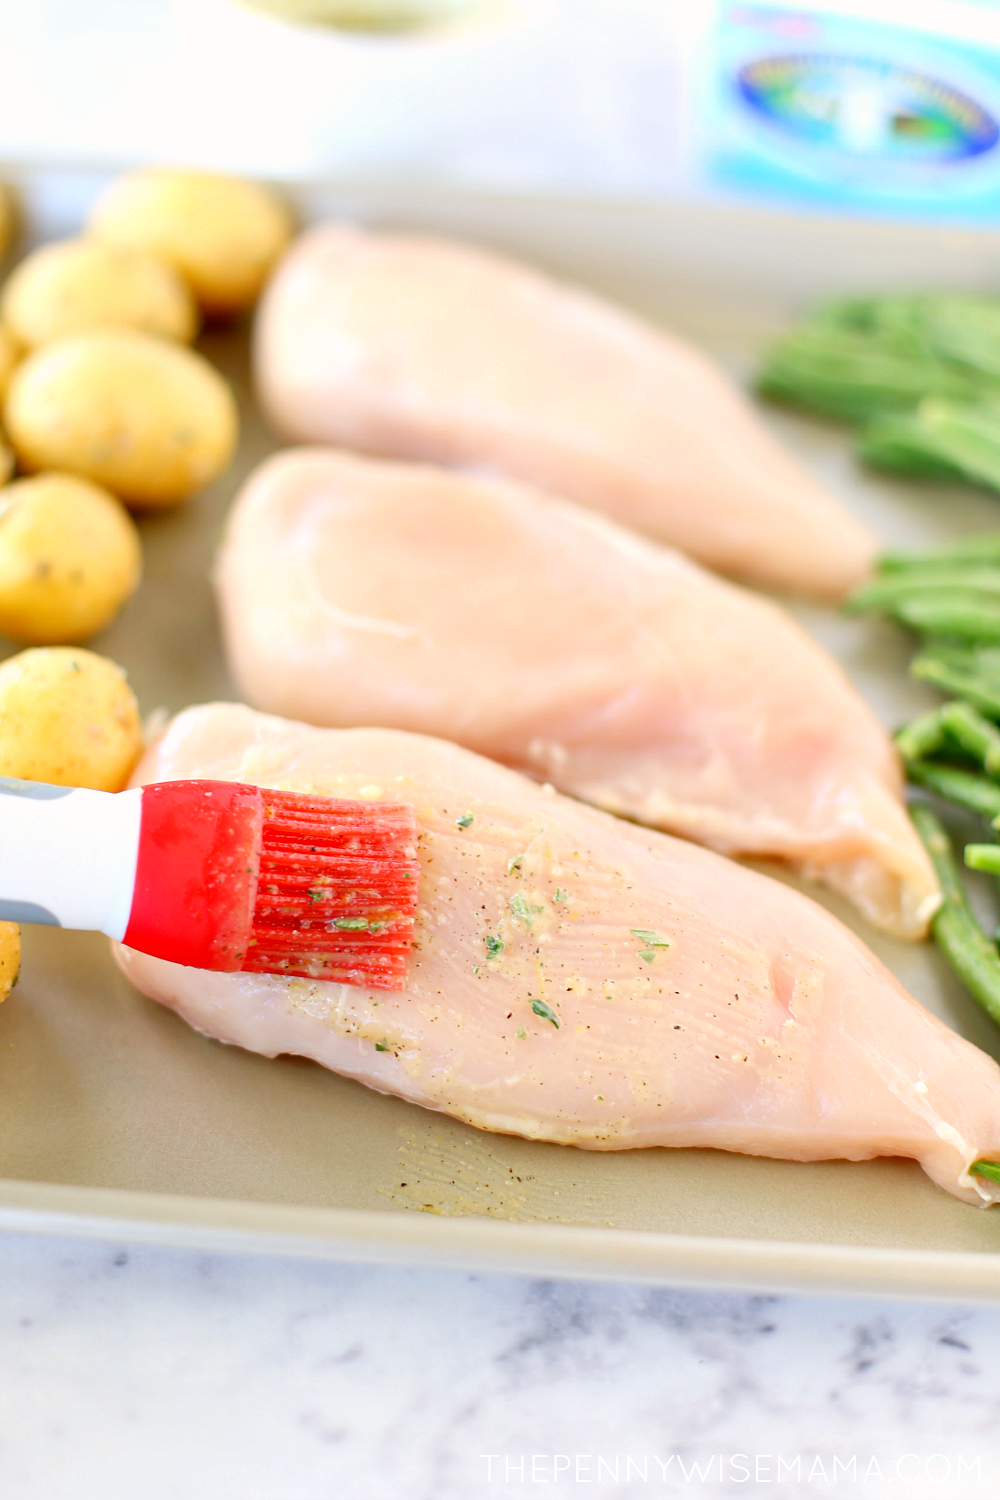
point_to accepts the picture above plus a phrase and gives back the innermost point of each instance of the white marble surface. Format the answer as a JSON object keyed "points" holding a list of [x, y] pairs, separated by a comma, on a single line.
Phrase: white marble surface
{"points": [[130, 1372]]}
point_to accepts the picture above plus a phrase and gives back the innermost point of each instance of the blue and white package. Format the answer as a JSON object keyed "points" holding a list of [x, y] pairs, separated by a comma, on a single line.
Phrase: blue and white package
{"points": [[893, 110]]}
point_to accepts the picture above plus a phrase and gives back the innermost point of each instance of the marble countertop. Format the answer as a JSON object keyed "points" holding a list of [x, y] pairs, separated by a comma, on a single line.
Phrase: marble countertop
{"points": [[174, 1375]]}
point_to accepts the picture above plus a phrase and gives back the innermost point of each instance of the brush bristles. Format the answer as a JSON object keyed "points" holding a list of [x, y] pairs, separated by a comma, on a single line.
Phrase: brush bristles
{"points": [[337, 892]]}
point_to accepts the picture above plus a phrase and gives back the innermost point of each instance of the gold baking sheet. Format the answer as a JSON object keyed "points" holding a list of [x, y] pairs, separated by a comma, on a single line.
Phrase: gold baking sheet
{"points": [[117, 1119]]}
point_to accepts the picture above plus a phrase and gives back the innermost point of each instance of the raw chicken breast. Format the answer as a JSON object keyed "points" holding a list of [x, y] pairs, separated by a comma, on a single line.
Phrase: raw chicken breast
{"points": [[543, 999], [362, 592], [419, 348]]}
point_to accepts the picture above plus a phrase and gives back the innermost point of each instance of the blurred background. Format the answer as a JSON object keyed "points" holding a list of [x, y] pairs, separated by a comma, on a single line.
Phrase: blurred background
{"points": [[868, 105]]}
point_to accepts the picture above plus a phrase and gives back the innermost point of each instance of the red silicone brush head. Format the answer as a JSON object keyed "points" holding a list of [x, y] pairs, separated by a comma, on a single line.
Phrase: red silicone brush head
{"points": [[232, 877], [337, 890]]}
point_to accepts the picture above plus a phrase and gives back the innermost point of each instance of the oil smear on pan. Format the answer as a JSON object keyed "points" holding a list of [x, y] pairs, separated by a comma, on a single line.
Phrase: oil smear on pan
{"points": [[457, 1174]]}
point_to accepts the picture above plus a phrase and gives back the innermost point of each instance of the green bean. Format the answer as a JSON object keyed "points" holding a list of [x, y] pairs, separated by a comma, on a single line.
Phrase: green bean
{"points": [[899, 443], [965, 433], [976, 735], [980, 662], [953, 612], [966, 788], [921, 737], [983, 857], [983, 547], [954, 676], [962, 941], [963, 328], [887, 591], [854, 375]]}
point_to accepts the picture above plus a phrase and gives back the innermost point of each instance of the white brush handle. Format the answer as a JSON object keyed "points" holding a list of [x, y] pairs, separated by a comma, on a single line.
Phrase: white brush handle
{"points": [[68, 855]]}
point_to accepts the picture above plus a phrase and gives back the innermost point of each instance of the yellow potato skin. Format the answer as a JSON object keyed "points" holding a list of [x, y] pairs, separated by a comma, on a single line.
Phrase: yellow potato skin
{"points": [[223, 234], [69, 717], [149, 420], [10, 957], [10, 353], [70, 557], [75, 285]]}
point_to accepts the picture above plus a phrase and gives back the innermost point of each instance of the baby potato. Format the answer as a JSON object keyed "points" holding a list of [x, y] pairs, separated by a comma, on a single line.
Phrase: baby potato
{"points": [[150, 421], [221, 233], [76, 285], [70, 556], [10, 957], [67, 716], [10, 353]]}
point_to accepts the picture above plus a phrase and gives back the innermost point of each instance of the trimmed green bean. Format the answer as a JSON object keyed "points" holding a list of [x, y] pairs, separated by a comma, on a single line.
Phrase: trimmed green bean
{"points": [[962, 941], [954, 612], [983, 857], [966, 788], [976, 735], [954, 676], [921, 737], [967, 434], [854, 375], [886, 592], [984, 547], [964, 328], [899, 443]]}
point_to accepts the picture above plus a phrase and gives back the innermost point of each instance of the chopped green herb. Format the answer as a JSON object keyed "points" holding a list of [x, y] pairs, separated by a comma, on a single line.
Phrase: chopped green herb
{"points": [[494, 946], [646, 954], [465, 821], [651, 939], [318, 895], [514, 864], [521, 1032], [382, 1046], [523, 908], [351, 924], [599, 1096], [560, 894], [475, 968], [545, 1011]]}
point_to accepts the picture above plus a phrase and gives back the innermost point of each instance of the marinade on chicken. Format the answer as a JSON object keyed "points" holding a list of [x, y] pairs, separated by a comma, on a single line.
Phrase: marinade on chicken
{"points": [[582, 980]]}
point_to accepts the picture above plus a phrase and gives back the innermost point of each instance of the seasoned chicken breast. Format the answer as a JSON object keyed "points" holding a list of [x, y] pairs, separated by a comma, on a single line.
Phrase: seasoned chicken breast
{"points": [[420, 348], [355, 591], [581, 980]]}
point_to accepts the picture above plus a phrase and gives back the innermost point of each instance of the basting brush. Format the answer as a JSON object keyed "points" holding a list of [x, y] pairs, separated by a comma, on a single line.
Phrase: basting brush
{"points": [[218, 875]]}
